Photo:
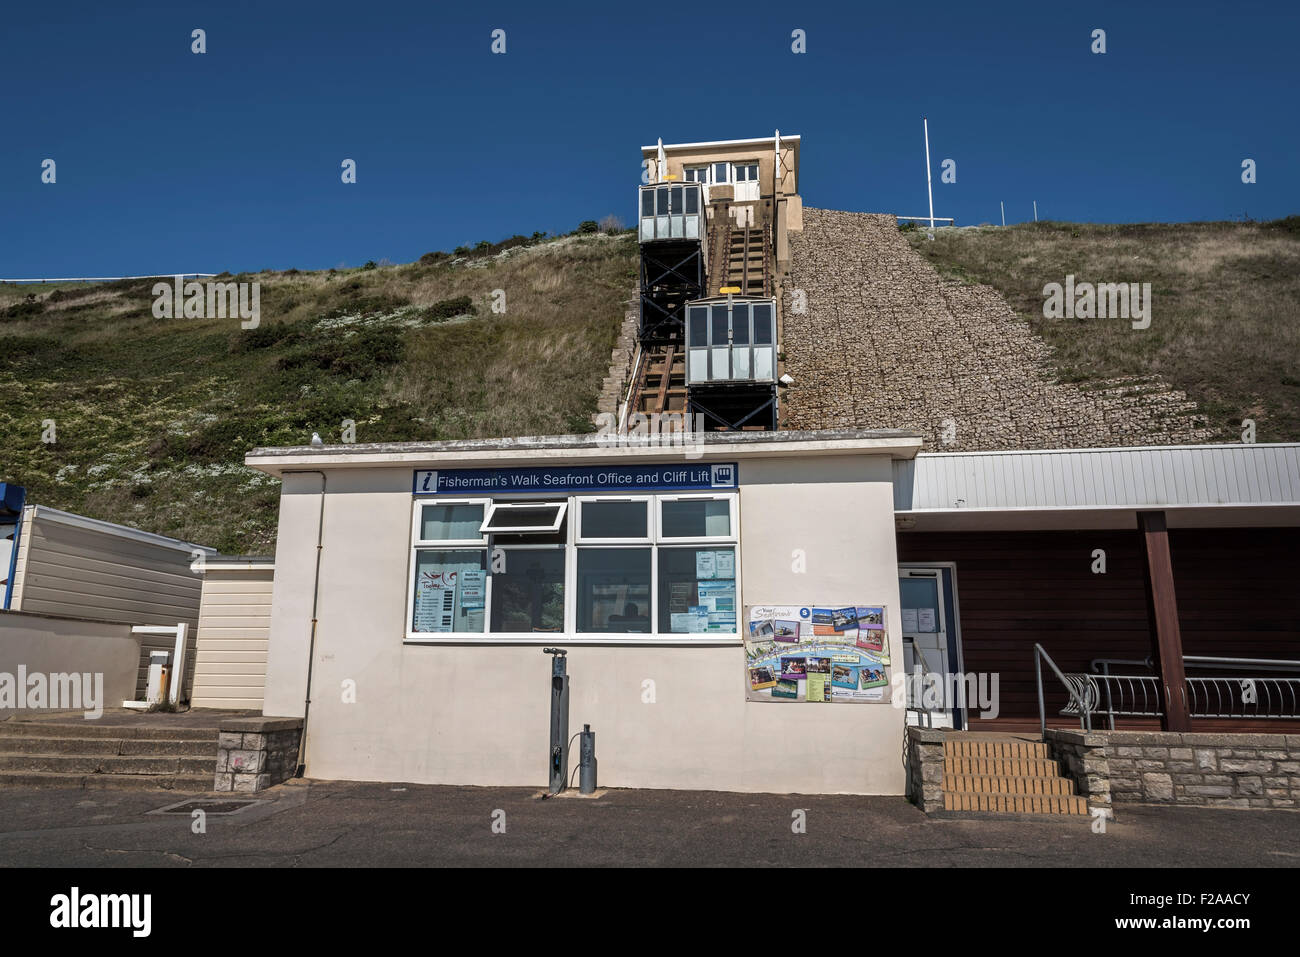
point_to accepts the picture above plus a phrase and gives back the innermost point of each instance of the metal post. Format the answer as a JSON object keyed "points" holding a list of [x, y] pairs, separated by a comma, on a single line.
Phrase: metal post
{"points": [[587, 760], [558, 757], [1004, 211], [928, 188], [1035, 210], [1042, 707]]}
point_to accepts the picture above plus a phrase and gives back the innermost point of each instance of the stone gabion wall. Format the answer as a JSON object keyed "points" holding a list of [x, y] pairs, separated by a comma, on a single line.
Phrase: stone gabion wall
{"points": [[254, 754], [1204, 770], [883, 342]]}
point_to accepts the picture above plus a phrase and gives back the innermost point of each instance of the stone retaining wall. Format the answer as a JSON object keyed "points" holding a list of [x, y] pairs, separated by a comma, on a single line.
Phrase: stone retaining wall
{"points": [[925, 768], [1165, 767], [254, 754]]}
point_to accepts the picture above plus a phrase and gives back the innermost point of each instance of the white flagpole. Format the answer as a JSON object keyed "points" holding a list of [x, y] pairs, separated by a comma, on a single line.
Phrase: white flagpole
{"points": [[928, 188]]}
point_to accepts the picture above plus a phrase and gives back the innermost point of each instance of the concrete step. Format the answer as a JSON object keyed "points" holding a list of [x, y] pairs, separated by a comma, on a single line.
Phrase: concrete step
{"points": [[958, 747], [91, 729], [109, 763], [1017, 803], [1002, 767], [187, 783], [990, 784], [205, 745]]}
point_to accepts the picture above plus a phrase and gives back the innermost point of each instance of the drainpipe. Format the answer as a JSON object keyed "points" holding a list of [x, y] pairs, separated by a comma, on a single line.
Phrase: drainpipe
{"points": [[315, 597]]}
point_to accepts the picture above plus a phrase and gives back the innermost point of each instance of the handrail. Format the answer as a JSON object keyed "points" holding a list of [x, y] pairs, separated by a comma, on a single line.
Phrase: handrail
{"points": [[1085, 713], [925, 670]]}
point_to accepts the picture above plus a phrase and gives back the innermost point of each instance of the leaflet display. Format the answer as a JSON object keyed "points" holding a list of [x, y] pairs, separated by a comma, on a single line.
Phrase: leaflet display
{"points": [[822, 654]]}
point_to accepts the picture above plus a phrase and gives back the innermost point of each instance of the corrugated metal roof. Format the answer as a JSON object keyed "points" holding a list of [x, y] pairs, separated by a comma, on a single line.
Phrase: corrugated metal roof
{"points": [[1157, 476]]}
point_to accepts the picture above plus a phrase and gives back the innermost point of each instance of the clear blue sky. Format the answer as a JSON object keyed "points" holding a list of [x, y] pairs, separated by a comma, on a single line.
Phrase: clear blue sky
{"points": [[170, 161]]}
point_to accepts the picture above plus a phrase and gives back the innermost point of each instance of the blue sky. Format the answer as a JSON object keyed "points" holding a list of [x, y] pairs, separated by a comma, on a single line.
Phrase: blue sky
{"points": [[169, 161]]}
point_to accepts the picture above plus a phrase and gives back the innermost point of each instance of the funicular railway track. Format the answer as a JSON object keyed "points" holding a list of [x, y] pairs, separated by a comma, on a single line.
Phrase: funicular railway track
{"points": [[659, 382], [716, 261]]}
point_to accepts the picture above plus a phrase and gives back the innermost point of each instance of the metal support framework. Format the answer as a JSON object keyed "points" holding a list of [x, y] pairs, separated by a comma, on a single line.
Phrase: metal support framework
{"points": [[668, 282], [742, 406]]}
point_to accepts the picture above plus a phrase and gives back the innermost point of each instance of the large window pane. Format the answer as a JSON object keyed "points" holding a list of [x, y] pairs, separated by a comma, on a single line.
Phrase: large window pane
{"points": [[445, 523], [763, 324], [614, 590], [697, 590], [696, 518], [693, 200], [614, 519], [662, 207], [528, 590], [740, 326], [720, 172], [647, 202], [699, 332], [719, 324], [450, 587]]}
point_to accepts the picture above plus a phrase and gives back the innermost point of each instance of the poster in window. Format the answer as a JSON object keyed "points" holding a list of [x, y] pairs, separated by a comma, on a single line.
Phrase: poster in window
{"points": [[435, 602], [825, 654], [706, 565], [724, 562], [473, 589]]}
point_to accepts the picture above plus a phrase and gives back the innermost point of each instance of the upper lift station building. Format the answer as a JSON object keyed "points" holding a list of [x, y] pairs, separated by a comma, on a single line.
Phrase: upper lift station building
{"points": [[740, 610]]}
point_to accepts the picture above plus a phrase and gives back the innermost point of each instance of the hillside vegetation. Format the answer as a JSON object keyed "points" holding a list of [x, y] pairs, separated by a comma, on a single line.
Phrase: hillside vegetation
{"points": [[1225, 319], [152, 417]]}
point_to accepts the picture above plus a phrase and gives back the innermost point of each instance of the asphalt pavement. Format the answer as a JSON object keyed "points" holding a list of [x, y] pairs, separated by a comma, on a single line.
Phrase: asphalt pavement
{"points": [[346, 824]]}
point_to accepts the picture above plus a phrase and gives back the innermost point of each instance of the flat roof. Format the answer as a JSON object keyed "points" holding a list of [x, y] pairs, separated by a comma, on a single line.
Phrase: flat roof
{"points": [[559, 449], [654, 147], [1141, 477], [118, 531]]}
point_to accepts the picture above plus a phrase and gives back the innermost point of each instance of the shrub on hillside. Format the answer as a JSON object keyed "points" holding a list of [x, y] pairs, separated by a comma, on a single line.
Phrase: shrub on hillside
{"points": [[588, 226], [446, 308]]}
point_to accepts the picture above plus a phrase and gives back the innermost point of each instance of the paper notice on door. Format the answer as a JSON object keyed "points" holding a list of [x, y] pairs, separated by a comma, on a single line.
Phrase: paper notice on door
{"points": [[925, 620], [909, 621]]}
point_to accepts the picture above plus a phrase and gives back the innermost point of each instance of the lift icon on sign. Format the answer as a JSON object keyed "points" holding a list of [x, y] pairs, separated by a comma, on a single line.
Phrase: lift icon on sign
{"points": [[724, 476]]}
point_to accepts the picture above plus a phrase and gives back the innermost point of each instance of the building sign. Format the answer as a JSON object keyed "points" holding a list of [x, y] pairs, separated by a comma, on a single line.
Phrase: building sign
{"points": [[823, 654], [583, 478]]}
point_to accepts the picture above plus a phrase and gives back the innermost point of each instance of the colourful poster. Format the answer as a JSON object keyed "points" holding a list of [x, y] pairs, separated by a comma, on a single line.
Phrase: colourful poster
{"points": [[836, 653]]}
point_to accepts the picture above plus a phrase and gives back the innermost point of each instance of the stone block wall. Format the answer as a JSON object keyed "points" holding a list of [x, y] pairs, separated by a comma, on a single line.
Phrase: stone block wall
{"points": [[1163, 767], [925, 768], [254, 754], [613, 389]]}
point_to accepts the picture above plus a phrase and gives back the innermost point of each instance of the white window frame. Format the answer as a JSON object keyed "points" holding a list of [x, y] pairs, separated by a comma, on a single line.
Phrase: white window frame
{"points": [[654, 540], [733, 537], [706, 167], [550, 636], [418, 519], [529, 529], [647, 539]]}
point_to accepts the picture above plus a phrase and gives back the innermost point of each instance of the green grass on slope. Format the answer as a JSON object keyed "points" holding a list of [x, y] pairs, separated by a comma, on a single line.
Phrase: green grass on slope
{"points": [[1225, 319], [153, 417]]}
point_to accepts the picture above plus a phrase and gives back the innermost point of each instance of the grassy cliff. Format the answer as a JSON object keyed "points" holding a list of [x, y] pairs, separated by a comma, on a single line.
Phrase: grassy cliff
{"points": [[152, 417], [1225, 318]]}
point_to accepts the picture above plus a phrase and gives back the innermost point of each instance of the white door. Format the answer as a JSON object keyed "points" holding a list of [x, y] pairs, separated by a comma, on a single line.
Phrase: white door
{"points": [[927, 652], [745, 176]]}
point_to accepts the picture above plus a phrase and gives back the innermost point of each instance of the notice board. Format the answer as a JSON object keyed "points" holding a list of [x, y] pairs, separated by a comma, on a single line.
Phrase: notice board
{"points": [[822, 654]]}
